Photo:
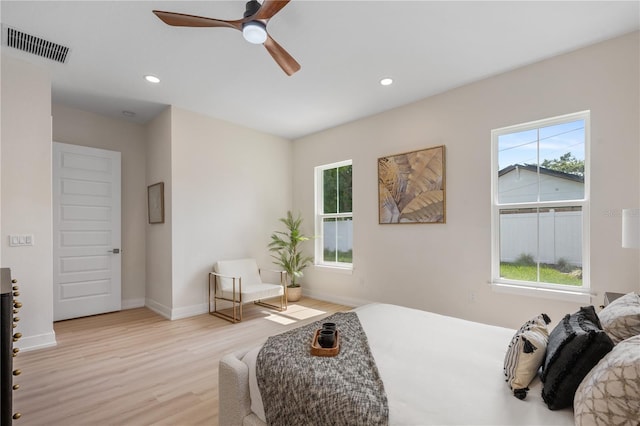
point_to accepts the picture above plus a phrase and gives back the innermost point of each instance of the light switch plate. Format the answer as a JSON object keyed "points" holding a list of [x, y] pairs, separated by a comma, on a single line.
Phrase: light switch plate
{"points": [[20, 240]]}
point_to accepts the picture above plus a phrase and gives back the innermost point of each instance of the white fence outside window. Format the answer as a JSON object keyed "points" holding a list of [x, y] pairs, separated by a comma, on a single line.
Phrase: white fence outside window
{"points": [[560, 237], [345, 235]]}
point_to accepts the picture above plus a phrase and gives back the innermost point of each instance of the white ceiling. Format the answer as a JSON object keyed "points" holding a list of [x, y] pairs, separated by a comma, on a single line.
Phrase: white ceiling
{"points": [[344, 47]]}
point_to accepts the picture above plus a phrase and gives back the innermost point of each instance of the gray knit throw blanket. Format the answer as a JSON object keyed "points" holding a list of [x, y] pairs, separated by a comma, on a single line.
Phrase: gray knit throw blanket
{"points": [[301, 389]]}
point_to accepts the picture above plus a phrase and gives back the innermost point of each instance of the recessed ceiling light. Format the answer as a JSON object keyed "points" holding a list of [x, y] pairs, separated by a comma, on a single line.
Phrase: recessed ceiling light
{"points": [[152, 78], [386, 81]]}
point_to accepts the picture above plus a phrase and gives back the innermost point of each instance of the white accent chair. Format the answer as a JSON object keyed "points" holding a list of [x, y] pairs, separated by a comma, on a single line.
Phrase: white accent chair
{"points": [[238, 282]]}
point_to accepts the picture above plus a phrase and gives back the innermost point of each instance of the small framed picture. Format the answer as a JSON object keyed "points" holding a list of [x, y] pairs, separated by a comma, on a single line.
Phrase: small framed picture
{"points": [[155, 196]]}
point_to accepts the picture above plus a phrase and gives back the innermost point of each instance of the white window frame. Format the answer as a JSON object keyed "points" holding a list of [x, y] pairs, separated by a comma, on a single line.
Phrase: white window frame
{"points": [[320, 216], [580, 294]]}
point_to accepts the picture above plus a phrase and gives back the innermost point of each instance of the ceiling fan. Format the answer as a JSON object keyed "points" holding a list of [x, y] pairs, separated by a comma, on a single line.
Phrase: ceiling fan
{"points": [[253, 27]]}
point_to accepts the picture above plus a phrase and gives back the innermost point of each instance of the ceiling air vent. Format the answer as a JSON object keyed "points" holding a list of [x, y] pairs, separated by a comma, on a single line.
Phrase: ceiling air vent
{"points": [[36, 45]]}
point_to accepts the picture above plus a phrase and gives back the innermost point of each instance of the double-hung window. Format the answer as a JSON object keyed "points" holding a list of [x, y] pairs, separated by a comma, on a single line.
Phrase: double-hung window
{"points": [[334, 216], [540, 207]]}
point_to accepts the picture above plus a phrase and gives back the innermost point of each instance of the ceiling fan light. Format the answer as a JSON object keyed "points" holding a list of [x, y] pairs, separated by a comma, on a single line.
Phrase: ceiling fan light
{"points": [[254, 32]]}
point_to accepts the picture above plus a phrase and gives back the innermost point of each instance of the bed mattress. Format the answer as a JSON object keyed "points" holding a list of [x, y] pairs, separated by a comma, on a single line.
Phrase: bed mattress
{"points": [[440, 370]]}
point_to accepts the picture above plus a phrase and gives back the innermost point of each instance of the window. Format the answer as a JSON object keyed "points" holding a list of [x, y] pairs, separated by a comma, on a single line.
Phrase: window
{"points": [[540, 206], [334, 216]]}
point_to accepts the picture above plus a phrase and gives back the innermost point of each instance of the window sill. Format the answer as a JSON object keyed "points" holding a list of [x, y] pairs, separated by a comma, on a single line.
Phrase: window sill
{"points": [[338, 269], [583, 297]]}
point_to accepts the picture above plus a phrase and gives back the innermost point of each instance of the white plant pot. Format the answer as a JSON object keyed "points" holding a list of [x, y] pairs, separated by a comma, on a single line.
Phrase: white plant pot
{"points": [[294, 294]]}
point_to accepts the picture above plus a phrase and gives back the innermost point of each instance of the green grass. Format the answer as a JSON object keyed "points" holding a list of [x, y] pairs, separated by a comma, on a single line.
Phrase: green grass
{"points": [[343, 256], [528, 273]]}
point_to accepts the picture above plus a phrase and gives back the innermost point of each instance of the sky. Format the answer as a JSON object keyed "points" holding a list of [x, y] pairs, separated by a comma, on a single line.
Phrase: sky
{"points": [[551, 142]]}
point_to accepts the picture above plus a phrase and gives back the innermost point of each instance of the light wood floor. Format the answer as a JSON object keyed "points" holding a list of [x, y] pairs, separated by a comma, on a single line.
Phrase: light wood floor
{"points": [[136, 368]]}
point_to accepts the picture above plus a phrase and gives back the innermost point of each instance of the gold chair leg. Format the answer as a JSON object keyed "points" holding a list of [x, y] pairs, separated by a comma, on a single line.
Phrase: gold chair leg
{"points": [[233, 318], [280, 308]]}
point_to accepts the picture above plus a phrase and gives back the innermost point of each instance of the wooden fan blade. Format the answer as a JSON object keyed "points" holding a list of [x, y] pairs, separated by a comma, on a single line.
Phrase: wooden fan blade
{"points": [[269, 8], [183, 20], [281, 56]]}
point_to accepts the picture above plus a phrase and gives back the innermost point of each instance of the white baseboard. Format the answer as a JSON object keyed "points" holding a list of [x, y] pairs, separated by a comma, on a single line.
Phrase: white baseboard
{"points": [[176, 313], [158, 308], [40, 341], [203, 308], [133, 303], [349, 301], [189, 311]]}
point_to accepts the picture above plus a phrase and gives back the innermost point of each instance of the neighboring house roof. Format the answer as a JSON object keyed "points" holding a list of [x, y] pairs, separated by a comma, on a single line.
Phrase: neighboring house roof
{"points": [[534, 169]]}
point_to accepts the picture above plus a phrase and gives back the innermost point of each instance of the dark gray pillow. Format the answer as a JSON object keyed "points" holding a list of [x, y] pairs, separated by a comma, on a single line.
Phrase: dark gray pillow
{"points": [[575, 346]]}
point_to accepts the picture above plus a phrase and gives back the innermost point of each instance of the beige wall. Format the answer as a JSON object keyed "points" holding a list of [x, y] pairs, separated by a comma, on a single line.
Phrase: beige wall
{"points": [[446, 268], [225, 188], [25, 194], [230, 184], [158, 235], [78, 127]]}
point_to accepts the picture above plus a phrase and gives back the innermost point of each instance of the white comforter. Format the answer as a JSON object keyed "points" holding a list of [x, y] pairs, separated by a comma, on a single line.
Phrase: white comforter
{"points": [[440, 370]]}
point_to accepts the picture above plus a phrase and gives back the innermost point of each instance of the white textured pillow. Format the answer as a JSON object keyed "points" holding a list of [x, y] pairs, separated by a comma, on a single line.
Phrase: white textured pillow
{"points": [[621, 318], [526, 354], [610, 393]]}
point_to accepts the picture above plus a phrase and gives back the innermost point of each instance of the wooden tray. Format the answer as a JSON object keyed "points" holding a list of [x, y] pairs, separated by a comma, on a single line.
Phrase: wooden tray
{"points": [[318, 350]]}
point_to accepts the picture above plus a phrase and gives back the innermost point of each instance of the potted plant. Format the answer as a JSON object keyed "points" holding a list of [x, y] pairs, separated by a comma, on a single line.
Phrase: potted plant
{"points": [[288, 254]]}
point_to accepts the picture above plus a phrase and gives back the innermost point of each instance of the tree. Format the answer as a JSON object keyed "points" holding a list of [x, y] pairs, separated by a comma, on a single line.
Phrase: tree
{"points": [[567, 163], [337, 190]]}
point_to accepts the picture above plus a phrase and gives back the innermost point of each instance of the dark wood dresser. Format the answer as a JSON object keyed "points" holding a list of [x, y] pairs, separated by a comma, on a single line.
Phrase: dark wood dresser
{"points": [[8, 308]]}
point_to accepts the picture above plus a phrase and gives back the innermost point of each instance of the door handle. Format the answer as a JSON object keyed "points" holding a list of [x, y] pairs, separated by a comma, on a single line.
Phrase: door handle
{"points": [[114, 251]]}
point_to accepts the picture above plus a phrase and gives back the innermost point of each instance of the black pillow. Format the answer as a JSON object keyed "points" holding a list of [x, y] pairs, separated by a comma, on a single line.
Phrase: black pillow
{"points": [[575, 346]]}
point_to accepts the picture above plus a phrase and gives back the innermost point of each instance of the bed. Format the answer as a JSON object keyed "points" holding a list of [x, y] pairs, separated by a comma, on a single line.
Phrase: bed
{"points": [[436, 370]]}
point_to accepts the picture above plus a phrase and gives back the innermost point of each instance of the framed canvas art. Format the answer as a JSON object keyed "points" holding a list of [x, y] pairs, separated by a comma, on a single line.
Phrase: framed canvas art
{"points": [[411, 187]]}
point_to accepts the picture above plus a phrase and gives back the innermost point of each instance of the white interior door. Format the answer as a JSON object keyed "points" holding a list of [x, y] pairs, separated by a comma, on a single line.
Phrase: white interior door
{"points": [[86, 231]]}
